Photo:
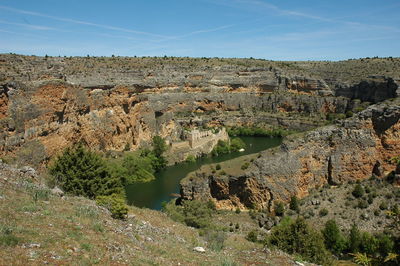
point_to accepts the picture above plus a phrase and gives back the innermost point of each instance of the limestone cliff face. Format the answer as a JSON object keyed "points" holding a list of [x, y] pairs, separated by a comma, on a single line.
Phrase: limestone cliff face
{"points": [[352, 149], [121, 103]]}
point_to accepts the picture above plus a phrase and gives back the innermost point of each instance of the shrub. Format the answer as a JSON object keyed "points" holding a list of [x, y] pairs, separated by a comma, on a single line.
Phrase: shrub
{"points": [[7, 237], [245, 166], [215, 239], [383, 205], [115, 204], [218, 167], [190, 159], [323, 212], [358, 191], [84, 173], [294, 204], [237, 144], [362, 204], [193, 213], [133, 168], [237, 210], [252, 236], [221, 148], [279, 208], [297, 237], [334, 239], [354, 240]]}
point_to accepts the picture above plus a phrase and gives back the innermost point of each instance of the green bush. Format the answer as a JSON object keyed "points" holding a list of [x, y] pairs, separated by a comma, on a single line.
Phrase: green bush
{"points": [[237, 144], [252, 236], [245, 166], [197, 214], [354, 240], [258, 132], [334, 240], [84, 173], [279, 208], [115, 204], [221, 148], [215, 239], [358, 191], [362, 204], [7, 237], [294, 204], [190, 159], [218, 167], [383, 205], [323, 212], [297, 237]]}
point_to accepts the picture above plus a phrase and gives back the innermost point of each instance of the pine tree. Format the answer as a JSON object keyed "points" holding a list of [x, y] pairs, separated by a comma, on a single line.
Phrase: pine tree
{"points": [[84, 173]]}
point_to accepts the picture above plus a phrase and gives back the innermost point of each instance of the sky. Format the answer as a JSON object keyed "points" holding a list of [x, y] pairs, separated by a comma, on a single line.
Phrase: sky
{"points": [[267, 29]]}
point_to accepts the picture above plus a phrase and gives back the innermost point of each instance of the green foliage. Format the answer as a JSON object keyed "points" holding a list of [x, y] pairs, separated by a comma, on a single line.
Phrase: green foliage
{"points": [[362, 204], [258, 132], [245, 166], [40, 194], [7, 237], [237, 211], [334, 116], [323, 212], [383, 205], [334, 240], [237, 144], [354, 241], [193, 213], [252, 236], [361, 259], [215, 239], [159, 146], [294, 204], [190, 159], [297, 237], [358, 191], [197, 214], [218, 167], [221, 148], [84, 173], [133, 168], [115, 204], [279, 208]]}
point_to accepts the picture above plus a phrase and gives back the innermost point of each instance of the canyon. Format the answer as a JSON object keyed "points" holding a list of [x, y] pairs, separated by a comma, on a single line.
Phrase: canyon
{"points": [[119, 103]]}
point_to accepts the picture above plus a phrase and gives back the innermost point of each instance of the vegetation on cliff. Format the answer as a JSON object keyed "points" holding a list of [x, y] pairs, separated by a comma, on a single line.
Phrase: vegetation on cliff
{"points": [[258, 131], [84, 173], [224, 147]]}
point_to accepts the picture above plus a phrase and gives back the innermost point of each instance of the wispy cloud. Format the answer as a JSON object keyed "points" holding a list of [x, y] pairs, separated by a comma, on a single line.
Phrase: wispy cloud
{"points": [[81, 22], [30, 26], [159, 37]]}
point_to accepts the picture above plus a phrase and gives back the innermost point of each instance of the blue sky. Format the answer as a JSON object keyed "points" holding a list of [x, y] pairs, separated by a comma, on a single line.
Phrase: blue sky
{"points": [[277, 30]]}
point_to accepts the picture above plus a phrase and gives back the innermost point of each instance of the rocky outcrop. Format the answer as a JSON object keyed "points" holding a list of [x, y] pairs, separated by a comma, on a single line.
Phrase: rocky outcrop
{"points": [[348, 151], [121, 103]]}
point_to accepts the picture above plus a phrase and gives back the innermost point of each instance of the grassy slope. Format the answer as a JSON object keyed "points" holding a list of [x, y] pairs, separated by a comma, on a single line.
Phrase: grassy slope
{"points": [[73, 230]]}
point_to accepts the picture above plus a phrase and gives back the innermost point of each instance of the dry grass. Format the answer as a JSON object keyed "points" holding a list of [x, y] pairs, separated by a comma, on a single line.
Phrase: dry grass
{"points": [[45, 228]]}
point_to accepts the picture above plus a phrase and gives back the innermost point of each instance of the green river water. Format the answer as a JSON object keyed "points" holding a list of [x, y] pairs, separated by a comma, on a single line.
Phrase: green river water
{"points": [[152, 194]]}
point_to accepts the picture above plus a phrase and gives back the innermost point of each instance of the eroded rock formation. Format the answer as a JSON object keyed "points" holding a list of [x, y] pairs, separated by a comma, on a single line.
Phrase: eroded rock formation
{"points": [[352, 149], [48, 103]]}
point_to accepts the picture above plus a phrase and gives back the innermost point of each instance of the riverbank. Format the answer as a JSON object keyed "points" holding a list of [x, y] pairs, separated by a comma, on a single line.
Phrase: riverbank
{"points": [[152, 194]]}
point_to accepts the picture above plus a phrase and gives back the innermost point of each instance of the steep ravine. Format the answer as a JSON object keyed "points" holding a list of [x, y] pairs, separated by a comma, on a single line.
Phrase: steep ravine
{"points": [[352, 149]]}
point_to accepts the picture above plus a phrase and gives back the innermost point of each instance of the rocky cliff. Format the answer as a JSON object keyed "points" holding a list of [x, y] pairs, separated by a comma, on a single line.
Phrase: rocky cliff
{"points": [[352, 149], [48, 103]]}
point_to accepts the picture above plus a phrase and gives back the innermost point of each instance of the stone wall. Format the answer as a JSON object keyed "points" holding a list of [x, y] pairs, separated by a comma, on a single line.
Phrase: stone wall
{"points": [[197, 146]]}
